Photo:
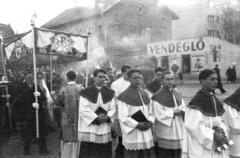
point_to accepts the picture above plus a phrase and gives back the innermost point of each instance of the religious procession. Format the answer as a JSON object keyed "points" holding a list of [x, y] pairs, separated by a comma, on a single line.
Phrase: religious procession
{"points": [[123, 79]]}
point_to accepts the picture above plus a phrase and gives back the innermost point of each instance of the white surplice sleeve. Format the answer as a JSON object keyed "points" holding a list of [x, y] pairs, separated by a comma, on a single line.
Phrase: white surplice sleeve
{"points": [[195, 125], [182, 107], [151, 116], [128, 124], [112, 110], [85, 111], [163, 114], [115, 88], [232, 117]]}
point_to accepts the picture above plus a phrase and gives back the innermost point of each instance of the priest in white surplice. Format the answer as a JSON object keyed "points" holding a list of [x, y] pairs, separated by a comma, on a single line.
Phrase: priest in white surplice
{"points": [[169, 109], [232, 117], [96, 111], [136, 119], [203, 116]]}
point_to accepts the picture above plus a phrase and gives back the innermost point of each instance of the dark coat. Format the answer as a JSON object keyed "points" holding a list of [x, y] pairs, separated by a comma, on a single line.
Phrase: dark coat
{"points": [[228, 74], [154, 86], [23, 111]]}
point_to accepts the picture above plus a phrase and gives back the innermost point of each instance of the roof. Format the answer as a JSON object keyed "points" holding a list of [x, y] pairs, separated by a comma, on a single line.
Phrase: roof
{"points": [[6, 30], [81, 13], [75, 14], [4, 25], [172, 13], [71, 15]]}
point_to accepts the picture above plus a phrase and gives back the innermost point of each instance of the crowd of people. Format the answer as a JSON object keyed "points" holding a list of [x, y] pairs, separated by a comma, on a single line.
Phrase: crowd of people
{"points": [[121, 117], [231, 74]]}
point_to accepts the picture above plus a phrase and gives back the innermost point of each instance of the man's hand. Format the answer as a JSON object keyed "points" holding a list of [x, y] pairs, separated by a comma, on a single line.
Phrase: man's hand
{"points": [[35, 105], [148, 124], [103, 119], [36, 94], [8, 96], [143, 126], [8, 104]]}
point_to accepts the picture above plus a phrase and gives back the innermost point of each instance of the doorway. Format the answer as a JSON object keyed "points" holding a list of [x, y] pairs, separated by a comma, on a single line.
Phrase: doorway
{"points": [[186, 63], [165, 62]]}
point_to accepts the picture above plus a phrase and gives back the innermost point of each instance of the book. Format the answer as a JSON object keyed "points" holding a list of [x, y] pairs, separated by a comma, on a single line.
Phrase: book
{"points": [[139, 116], [100, 111]]}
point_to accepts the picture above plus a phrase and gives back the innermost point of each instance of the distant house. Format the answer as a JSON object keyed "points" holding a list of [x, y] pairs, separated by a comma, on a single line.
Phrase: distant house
{"points": [[205, 18], [6, 30], [122, 27]]}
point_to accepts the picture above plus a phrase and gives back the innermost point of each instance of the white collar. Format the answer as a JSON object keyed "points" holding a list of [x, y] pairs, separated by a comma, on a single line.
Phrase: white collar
{"points": [[71, 82]]}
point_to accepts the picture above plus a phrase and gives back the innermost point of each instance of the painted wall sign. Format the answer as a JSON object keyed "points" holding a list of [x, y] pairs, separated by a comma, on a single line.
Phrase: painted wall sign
{"points": [[176, 47]]}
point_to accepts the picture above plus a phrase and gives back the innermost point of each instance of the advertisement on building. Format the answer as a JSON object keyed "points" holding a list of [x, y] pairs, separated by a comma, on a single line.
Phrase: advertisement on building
{"points": [[186, 55], [174, 47], [195, 54], [175, 63], [198, 62]]}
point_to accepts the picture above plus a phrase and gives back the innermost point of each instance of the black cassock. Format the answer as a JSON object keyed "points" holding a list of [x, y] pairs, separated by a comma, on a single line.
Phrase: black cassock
{"points": [[24, 113]]}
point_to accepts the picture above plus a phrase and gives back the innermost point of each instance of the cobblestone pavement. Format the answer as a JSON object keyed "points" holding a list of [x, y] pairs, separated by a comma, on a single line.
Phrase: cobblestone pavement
{"points": [[12, 148]]}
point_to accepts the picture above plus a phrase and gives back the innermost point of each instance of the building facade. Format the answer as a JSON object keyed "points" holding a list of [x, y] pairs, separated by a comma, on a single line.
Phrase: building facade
{"points": [[123, 28], [205, 18], [195, 54], [6, 30]]}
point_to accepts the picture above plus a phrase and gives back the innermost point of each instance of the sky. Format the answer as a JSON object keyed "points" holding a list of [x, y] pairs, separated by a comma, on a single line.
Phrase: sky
{"points": [[18, 13]]}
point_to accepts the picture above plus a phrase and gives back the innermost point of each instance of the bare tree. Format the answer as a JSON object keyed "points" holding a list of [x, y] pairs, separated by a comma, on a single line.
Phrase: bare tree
{"points": [[231, 24]]}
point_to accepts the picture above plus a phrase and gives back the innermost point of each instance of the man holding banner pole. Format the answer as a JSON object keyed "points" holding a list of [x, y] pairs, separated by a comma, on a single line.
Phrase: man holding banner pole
{"points": [[5, 79], [24, 110]]}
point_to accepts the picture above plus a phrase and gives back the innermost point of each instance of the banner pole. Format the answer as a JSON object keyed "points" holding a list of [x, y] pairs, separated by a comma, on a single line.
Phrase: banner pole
{"points": [[35, 77], [87, 72], [51, 72]]}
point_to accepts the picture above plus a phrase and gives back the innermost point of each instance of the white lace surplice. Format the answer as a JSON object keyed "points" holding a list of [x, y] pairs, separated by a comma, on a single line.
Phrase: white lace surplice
{"points": [[198, 136], [88, 132], [232, 118], [133, 138]]}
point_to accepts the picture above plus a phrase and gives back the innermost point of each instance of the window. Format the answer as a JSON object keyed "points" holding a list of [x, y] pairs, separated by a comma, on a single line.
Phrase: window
{"points": [[210, 32], [210, 18], [213, 33]]}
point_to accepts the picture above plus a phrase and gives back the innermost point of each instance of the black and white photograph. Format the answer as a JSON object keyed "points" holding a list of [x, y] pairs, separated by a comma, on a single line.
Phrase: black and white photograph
{"points": [[120, 79]]}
